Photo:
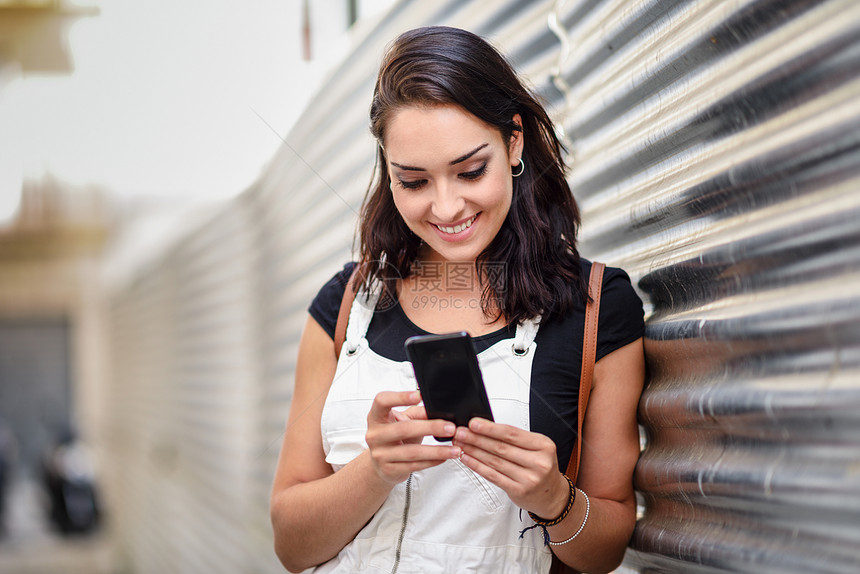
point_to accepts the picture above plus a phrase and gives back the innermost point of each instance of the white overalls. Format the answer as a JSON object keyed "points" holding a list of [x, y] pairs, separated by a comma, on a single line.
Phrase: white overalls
{"points": [[445, 519]]}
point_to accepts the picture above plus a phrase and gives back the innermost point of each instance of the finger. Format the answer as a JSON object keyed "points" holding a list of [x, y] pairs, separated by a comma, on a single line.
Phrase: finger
{"points": [[520, 464], [525, 487], [399, 415], [416, 412], [415, 453], [501, 479], [394, 463], [408, 430], [496, 453], [507, 434], [386, 400], [412, 413], [485, 461]]}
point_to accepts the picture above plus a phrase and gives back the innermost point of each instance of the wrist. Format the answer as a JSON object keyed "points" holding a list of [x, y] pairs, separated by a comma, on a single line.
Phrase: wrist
{"points": [[561, 506], [377, 483]]}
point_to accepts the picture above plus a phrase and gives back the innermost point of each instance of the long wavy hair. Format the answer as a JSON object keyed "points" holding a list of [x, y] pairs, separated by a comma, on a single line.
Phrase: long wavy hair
{"points": [[536, 266]]}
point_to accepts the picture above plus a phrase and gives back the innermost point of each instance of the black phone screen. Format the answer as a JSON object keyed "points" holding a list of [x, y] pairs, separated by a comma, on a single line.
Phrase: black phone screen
{"points": [[449, 378]]}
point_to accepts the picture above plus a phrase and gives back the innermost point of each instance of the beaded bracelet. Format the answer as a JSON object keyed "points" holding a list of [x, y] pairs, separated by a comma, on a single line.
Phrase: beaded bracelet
{"points": [[581, 526], [545, 523]]}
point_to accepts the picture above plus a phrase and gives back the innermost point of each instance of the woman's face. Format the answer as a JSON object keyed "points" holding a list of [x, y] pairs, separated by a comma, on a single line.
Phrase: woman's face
{"points": [[450, 178]]}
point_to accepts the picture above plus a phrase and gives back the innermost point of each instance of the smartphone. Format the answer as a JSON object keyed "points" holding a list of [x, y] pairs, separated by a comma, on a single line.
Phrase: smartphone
{"points": [[449, 378]]}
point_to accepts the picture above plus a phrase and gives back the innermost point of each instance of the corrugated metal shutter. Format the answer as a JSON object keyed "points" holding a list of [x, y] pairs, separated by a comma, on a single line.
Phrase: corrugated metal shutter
{"points": [[714, 150], [717, 155]]}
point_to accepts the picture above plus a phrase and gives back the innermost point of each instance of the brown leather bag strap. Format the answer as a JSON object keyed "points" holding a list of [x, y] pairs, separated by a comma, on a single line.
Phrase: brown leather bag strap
{"points": [[589, 353], [343, 313]]}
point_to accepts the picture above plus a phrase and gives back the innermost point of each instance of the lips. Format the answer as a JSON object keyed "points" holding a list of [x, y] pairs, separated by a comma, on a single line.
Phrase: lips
{"points": [[456, 228]]}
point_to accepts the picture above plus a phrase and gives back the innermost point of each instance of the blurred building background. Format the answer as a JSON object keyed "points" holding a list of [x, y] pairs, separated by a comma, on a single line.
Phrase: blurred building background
{"points": [[715, 152], [123, 126]]}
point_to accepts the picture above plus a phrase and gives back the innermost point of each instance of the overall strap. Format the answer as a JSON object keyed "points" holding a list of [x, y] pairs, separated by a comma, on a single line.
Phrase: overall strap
{"points": [[343, 313], [525, 335], [589, 353]]}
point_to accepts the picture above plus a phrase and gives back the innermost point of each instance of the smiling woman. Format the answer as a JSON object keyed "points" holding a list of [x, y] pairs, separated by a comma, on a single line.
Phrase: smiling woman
{"points": [[435, 69], [469, 225], [456, 206]]}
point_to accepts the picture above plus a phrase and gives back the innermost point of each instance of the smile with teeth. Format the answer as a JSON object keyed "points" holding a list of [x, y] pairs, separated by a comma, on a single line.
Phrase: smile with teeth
{"points": [[457, 228]]}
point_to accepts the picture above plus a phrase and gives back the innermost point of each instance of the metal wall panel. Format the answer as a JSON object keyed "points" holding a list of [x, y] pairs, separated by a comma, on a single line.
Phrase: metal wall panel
{"points": [[714, 151], [182, 440], [716, 155]]}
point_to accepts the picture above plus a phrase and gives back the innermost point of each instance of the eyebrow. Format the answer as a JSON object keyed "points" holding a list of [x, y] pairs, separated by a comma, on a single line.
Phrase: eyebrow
{"points": [[460, 159]]}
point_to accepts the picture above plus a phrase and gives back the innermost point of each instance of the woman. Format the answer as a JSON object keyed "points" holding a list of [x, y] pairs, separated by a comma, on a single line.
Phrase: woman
{"points": [[469, 225]]}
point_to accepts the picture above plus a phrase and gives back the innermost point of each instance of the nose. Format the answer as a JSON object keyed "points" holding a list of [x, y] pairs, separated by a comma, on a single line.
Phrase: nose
{"points": [[448, 204]]}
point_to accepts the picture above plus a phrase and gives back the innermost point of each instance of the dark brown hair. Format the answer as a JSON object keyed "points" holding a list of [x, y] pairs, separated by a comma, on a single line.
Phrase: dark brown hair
{"points": [[535, 249]]}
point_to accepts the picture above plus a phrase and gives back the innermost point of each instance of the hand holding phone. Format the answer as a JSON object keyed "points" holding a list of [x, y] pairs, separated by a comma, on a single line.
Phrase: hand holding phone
{"points": [[449, 378]]}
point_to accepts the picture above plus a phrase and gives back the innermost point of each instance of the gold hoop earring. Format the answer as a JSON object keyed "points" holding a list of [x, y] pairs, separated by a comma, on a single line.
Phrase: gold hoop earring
{"points": [[522, 169]]}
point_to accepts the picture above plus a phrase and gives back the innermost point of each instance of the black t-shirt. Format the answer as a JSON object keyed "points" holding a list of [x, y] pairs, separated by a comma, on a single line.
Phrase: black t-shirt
{"points": [[554, 393]]}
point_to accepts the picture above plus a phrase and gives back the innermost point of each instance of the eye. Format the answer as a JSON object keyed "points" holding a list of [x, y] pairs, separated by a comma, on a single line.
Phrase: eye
{"points": [[411, 184], [472, 175]]}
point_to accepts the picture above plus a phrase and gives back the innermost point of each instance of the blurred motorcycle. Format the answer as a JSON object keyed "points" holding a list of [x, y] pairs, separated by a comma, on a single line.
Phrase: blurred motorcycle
{"points": [[8, 449], [70, 480]]}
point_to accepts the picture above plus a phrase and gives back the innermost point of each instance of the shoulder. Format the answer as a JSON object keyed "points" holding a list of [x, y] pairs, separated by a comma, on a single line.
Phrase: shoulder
{"points": [[325, 306], [617, 289], [622, 318]]}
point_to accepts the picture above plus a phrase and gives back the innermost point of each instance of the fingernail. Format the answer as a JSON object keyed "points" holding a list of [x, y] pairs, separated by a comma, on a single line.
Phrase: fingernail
{"points": [[449, 428], [455, 452], [461, 434], [474, 424]]}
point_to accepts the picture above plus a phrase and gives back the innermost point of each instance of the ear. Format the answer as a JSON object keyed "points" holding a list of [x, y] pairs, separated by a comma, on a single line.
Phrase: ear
{"points": [[515, 147]]}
